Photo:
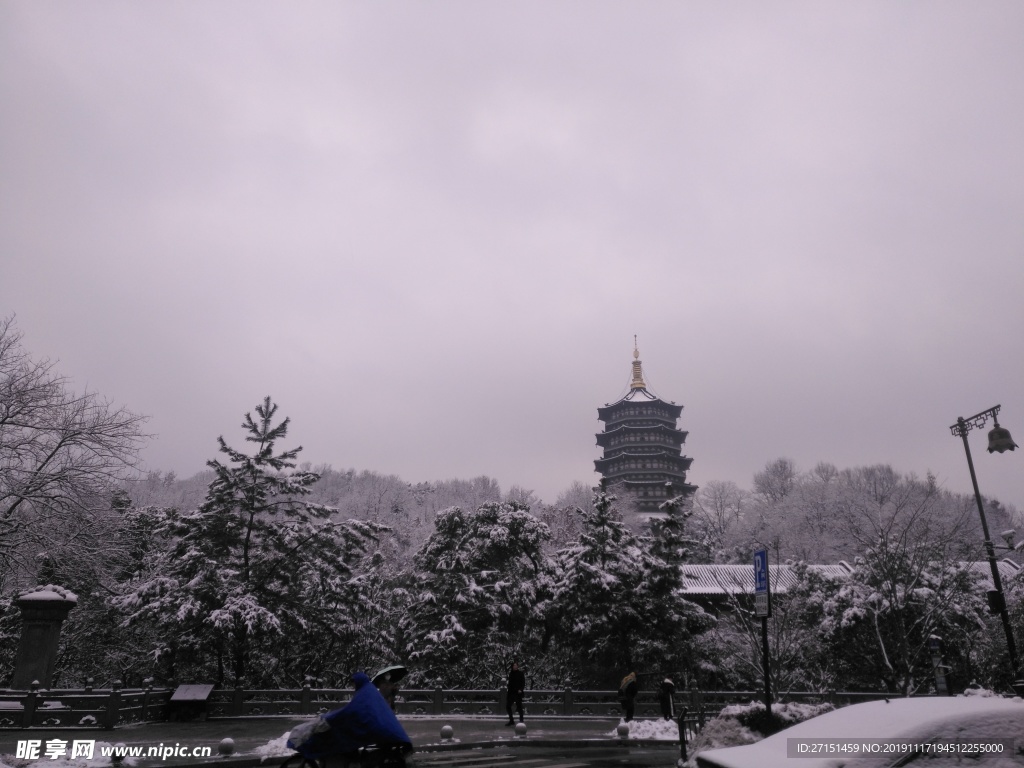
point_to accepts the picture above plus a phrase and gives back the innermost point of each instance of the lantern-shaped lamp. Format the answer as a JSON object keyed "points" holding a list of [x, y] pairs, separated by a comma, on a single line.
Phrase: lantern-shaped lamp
{"points": [[999, 440]]}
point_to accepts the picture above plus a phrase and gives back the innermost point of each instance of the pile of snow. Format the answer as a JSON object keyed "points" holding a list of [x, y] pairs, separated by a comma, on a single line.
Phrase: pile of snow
{"points": [[979, 691], [655, 730], [274, 748]]}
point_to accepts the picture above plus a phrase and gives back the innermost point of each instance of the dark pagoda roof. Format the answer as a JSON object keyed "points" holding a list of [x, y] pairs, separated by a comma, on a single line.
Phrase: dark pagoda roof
{"points": [[683, 462], [638, 396], [675, 435]]}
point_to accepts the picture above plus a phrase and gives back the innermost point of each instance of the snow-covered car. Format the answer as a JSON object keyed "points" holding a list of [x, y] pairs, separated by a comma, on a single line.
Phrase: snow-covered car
{"points": [[968, 730]]}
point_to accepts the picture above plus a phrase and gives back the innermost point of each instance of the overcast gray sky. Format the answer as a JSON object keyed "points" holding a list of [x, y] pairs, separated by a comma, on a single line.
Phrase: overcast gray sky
{"points": [[430, 230]]}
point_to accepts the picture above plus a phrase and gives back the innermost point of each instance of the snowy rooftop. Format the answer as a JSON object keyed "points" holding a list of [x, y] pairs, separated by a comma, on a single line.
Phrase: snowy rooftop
{"points": [[49, 593], [639, 395], [703, 579], [1007, 570]]}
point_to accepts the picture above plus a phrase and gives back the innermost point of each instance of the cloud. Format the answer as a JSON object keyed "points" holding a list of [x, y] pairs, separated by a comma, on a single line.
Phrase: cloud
{"points": [[431, 232]]}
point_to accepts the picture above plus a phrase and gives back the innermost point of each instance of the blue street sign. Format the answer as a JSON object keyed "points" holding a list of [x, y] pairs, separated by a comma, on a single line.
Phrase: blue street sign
{"points": [[761, 572]]}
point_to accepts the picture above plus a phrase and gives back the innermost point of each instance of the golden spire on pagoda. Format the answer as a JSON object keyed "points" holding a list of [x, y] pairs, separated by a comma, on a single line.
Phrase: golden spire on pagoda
{"points": [[638, 374]]}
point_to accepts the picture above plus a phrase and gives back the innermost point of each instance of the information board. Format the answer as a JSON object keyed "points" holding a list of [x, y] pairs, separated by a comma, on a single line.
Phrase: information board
{"points": [[762, 601]]}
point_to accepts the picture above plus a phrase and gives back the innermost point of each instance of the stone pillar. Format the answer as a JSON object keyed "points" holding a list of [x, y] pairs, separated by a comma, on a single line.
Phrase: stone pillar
{"points": [[43, 610]]}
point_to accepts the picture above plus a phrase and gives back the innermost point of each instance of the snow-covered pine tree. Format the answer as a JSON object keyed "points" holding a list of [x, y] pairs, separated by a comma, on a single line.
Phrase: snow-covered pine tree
{"points": [[669, 540], [485, 585], [256, 569], [618, 603]]}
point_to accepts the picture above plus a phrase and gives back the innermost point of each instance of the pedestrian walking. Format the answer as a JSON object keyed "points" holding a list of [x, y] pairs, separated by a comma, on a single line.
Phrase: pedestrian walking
{"points": [[388, 689], [627, 694], [387, 682], [665, 692], [516, 687]]}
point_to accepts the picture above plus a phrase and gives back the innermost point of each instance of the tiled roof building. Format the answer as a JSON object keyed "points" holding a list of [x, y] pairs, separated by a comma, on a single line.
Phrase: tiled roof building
{"points": [[715, 585], [707, 580]]}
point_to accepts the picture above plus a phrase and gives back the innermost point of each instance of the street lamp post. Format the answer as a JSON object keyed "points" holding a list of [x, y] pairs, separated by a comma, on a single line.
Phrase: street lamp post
{"points": [[999, 440]]}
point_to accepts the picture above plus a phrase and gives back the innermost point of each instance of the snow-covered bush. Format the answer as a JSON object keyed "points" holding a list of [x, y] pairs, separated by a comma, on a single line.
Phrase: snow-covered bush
{"points": [[784, 714], [723, 732], [740, 724]]}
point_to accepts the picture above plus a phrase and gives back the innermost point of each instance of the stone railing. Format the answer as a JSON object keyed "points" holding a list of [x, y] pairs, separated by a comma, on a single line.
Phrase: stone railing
{"points": [[227, 703], [426, 701], [82, 708], [109, 707], [491, 701]]}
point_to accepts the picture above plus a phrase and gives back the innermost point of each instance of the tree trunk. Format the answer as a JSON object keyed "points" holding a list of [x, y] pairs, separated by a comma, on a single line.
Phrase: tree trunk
{"points": [[239, 652]]}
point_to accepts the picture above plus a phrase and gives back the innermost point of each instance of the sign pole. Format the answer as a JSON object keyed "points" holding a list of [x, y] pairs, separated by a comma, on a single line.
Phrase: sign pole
{"points": [[767, 671], [763, 608]]}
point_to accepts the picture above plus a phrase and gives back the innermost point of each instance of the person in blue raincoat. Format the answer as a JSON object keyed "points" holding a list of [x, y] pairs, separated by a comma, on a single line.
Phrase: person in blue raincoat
{"points": [[366, 720]]}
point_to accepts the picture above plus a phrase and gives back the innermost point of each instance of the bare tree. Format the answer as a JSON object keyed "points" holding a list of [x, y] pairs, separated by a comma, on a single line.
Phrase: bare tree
{"points": [[776, 481], [877, 503], [576, 495], [719, 506], [799, 658], [563, 517], [61, 454], [524, 496]]}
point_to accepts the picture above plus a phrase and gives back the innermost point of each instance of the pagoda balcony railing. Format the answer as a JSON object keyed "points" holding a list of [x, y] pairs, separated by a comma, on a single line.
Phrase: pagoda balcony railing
{"points": [[614, 466], [648, 447], [655, 419], [645, 444]]}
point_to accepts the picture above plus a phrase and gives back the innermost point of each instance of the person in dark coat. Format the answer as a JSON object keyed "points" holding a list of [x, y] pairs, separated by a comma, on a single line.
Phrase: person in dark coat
{"points": [[516, 687], [665, 693], [388, 690], [627, 694]]}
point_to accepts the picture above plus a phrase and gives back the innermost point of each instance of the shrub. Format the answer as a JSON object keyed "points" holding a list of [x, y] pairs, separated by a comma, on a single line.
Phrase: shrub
{"points": [[740, 724]]}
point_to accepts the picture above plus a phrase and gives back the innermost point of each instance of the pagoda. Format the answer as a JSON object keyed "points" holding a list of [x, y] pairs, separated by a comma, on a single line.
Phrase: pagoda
{"points": [[642, 446]]}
